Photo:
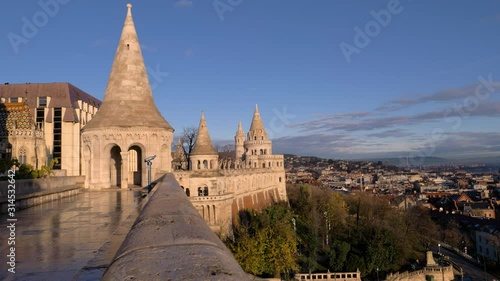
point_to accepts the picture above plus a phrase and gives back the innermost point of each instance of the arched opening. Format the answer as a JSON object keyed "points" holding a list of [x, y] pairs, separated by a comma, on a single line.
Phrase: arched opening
{"points": [[205, 164], [264, 165], [215, 216], [255, 138], [200, 192], [208, 215], [205, 191], [188, 193], [135, 165], [115, 166], [261, 151], [198, 165], [211, 164]]}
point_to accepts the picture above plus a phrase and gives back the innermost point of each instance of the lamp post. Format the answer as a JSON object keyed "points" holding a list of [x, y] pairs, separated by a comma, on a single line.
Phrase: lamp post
{"points": [[439, 249], [149, 163]]}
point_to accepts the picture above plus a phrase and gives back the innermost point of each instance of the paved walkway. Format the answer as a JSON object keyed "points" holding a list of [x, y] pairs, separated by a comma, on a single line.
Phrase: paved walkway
{"points": [[61, 240]]}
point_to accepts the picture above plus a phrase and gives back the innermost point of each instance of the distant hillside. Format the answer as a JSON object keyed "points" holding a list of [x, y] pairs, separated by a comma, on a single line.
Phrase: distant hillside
{"points": [[411, 161]]}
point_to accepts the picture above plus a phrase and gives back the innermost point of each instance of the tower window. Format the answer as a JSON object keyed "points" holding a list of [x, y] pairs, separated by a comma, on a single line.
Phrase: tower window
{"points": [[14, 99], [128, 46], [22, 155]]}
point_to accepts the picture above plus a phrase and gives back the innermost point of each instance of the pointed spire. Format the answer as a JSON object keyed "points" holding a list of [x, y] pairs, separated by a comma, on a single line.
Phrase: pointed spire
{"points": [[128, 100], [203, 145], [257, 127], [240, 132]]}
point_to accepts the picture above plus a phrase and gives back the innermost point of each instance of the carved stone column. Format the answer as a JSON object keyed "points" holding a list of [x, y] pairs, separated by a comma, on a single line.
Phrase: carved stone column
{"points": [[124, 183]]}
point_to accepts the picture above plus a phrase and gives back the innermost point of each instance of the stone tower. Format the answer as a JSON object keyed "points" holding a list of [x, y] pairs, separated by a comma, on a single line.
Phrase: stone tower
{"points": [[203, 156], [257, 144], [128, 127], [239, 141]]}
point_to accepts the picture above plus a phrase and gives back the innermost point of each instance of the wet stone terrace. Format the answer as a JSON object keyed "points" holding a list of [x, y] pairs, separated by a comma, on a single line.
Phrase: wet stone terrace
{"points": [[56, 240]]}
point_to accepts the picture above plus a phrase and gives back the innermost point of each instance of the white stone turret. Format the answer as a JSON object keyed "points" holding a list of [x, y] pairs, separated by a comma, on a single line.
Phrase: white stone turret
{"points": [[204, 156], [128, 126], [239, 141], [257, 143]]}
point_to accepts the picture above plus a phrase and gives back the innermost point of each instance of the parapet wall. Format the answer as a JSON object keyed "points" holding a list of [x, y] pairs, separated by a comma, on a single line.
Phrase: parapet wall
{"points": [[24, 187], [171, 241], [439, 273]]}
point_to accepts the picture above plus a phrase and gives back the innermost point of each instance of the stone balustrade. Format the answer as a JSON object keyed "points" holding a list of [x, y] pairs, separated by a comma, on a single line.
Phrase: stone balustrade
{"points": [[171, 241]]}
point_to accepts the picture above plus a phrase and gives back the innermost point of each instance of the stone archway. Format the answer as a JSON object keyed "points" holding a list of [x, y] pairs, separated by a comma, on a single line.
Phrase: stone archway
{"points": [[115, 166], [135, 165]]}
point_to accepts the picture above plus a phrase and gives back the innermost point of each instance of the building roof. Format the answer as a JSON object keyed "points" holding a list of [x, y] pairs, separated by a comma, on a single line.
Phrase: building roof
{"points": [[203, 145], [257, 128], [128, 100], [15, 116], [62, 94]]}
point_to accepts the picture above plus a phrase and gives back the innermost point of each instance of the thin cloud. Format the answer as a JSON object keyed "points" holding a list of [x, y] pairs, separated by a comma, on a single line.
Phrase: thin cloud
{"points": [[489, 109], [148, 48], [345, 145], [99, 43], [439, 96], [184, 4], [188, 53], [491, 19], [395, 133]]}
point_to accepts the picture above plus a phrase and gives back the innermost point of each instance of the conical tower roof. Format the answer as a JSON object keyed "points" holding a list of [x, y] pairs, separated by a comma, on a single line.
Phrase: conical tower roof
{"points": [[257, 127], [203, 145], [240, 132], [128, 100]]}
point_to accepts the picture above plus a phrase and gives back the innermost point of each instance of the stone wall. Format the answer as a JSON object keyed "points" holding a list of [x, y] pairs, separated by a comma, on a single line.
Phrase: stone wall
{"points": [[231, 190], [24, 187], [171, 241]]}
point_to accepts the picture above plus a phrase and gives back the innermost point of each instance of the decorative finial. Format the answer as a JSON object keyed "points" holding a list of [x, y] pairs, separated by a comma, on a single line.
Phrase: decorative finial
{"points": [[129, 6]]}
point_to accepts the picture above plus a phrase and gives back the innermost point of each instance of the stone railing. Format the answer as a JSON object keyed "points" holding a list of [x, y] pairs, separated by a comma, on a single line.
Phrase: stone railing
{"points": [[32, 192], [171, 241], [24, 187], [340, 276], [440, 273]]}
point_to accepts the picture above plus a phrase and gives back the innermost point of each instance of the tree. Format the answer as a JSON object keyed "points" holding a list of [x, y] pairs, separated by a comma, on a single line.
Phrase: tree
{"points": [[6, 164], [188, 140], [264, 243], [226, 152]]}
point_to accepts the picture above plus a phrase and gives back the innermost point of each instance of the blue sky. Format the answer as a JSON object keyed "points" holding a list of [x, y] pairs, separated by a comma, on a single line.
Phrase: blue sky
{"points": [[407, 84]]}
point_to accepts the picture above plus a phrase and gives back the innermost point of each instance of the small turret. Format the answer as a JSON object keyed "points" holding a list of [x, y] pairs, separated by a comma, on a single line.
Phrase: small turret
{"points": [[257, 131], [203, 156], [239, 141]]}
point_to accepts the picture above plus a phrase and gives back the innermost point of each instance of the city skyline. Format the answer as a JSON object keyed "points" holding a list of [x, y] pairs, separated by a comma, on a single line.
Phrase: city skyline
{"points": [[339, 80]]}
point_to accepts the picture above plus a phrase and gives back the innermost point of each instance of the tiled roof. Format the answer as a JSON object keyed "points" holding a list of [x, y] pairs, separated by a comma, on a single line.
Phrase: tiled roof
{"points": [[15, 116]]}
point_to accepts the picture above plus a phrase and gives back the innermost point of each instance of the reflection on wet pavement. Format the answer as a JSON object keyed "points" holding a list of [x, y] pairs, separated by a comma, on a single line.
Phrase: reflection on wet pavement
{"points": [[56, 239]]}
